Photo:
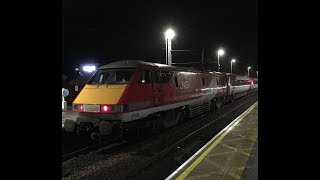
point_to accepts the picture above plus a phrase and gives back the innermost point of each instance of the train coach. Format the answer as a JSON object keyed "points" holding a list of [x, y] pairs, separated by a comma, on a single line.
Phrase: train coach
{"points": [[123, 94]]}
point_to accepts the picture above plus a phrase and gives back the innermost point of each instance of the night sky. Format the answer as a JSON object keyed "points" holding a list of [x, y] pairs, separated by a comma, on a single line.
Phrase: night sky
{"points": [[106, 31]]}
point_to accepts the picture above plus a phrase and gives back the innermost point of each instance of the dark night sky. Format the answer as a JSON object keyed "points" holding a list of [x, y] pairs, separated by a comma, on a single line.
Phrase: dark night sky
{"points": [[106, 31]]}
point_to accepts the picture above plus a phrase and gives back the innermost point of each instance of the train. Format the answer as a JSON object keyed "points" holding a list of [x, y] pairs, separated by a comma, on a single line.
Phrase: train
{"points": [[127, 93]]}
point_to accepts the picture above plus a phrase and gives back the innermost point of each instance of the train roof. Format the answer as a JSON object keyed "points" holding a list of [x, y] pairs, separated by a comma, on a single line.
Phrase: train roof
{"points": [[137, 63], [131, 64]]}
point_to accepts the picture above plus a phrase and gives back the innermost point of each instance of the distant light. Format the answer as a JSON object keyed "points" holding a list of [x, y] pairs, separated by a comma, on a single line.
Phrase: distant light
{"points": [[220, 52], [233, 60], [249, 67], [169, 34], [88, 68], [77, 69]]}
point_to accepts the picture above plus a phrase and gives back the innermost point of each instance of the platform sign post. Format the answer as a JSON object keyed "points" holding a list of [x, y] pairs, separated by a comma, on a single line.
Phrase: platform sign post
{"points": [[65, 93]]}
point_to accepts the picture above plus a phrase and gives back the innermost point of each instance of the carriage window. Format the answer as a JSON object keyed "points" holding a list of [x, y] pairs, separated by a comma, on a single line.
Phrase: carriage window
{"points": [[176, 80], [155, 76], [234, 82], [165, 76], [145, 77], [222, 81], [111, 76], [203, 83]]}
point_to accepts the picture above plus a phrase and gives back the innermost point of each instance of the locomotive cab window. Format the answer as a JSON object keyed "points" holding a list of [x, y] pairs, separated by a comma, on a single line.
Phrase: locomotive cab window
{"points": [[111, 76], [145, 77]]}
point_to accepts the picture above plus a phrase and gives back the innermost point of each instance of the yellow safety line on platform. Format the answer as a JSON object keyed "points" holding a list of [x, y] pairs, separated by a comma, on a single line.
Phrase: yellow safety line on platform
{"points": [[203, 155]]}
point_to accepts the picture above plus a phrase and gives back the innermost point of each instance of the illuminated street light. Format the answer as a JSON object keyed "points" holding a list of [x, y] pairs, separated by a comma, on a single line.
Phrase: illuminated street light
{"points": [[89, 68], [169, 34], [249, 70], [232, 61], [220, 52]]}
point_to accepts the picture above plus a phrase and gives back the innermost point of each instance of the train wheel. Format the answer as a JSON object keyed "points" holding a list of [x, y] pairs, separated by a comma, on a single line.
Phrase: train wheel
{"points": [[171, 118], [232, 98], [219, 103], [212, 105], [183, 115], [95, 135]]}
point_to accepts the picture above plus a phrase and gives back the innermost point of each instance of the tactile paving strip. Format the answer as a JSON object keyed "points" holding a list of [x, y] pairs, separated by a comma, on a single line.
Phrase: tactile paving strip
{"points": [[228, 158]]}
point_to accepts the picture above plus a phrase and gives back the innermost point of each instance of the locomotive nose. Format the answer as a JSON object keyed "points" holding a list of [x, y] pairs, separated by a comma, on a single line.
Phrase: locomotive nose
{"points": [[102, 94]]}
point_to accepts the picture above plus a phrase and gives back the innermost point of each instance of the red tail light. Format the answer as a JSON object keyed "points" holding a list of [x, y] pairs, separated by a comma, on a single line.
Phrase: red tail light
{"points": [[106, 108]]}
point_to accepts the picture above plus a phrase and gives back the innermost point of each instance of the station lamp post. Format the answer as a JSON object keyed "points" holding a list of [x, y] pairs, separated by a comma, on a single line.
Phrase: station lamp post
{"points": [[169, 34], [220, 52], [232, 61]]}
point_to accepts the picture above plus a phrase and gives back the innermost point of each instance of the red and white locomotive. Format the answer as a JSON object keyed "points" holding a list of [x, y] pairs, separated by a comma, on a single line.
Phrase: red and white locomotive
{"points": [[122, 93]]}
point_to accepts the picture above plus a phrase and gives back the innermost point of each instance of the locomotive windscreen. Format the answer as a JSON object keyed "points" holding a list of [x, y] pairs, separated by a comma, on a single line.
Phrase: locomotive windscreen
{"points": [[111, 76]]}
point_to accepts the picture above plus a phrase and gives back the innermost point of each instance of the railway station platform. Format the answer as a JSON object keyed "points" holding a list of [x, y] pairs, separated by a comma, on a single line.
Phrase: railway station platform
{"points": [[231, 154]]}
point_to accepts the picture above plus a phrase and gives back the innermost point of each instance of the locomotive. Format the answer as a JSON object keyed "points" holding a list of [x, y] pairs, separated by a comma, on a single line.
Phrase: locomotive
{"points": [[123, 94]]}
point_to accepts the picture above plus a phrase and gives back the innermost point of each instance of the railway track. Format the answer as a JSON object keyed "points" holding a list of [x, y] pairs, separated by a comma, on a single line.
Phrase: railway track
{"points": [[158, 146], [90, 148], [152, 160]]}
